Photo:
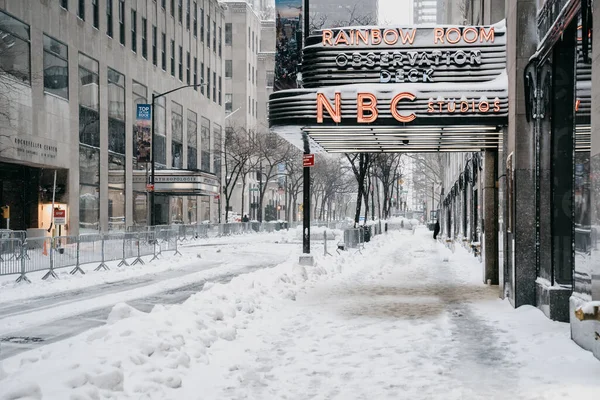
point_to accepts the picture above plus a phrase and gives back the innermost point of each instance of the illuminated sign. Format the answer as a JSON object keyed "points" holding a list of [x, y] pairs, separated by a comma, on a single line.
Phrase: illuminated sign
{"points": [[367, 107]]}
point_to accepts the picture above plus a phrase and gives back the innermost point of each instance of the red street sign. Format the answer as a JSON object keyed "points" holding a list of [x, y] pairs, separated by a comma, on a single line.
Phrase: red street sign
{"points": [[150, 187], [308, 160], [60, 217]]}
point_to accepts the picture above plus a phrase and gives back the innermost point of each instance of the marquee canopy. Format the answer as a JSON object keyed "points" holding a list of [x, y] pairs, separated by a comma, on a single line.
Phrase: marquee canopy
{"points": [[398, 89]]}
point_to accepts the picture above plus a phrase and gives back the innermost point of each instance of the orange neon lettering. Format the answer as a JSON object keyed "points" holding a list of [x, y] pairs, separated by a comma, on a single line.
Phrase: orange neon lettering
{"points": [[327, 36], [362, 35], [362, 107], [577, 104], [484, 106], [430, 107], [451, 107], [334, 113], [473, 39], [486, 36], [399, 117], [453, 30], [496, 105], [394, 37], [375, 36], [341, 38], [407, 37], [438, 34], [464, 106]]}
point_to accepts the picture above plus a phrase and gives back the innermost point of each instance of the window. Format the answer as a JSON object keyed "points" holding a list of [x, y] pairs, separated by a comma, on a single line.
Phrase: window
{"points": [[180, 63], [248, 72], [56, 67], [202, 24], [220, 42], [208, 82], [208, 31], [217, 149], [253, 109], [163, 4], [249, 106], [95, 14], [215, 87], [89, 101], [180, 9], [134, 31], [253, 42], [195, 72], [122, 22], [172, 8], [15, 58], [228, 102], [109, 18], [89, 147], [228, 34], [64, 4], [116, 111], [172, 58], [144, 38], [187, 70], [202, 77], [228, 68], [192, 140], [195, 24], [220, 89], [154, 45], [160, 140], [163, 52], [81, 9], [253, 75], [187, 15], [176, 135], [248, 37], [214, 37], [256, 40], [205, 145], [270, 78]]}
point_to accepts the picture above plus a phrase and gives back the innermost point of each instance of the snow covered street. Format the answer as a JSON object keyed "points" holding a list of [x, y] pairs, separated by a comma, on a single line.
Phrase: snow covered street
{"points": [[406, 319]]}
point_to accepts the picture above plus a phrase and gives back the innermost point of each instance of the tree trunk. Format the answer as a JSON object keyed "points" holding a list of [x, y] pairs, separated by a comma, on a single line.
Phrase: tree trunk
{"points": [[358, 205], [243, 193]]}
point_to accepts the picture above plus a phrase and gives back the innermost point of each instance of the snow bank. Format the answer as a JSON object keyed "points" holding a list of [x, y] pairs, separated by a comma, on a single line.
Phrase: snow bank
{"points": [[150, 355], [318, 232]]}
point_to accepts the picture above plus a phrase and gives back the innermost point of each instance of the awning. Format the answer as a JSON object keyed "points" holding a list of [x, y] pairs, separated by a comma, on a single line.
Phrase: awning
{"points": [[398, 89], [177, 182]]}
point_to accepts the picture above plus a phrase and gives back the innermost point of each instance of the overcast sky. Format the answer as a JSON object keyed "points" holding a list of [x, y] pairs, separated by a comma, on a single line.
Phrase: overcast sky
{"points": [[395, 12]]}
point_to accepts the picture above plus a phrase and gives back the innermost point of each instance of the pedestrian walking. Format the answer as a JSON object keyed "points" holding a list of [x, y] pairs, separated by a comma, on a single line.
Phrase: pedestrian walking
{"points": [[436, 230]]}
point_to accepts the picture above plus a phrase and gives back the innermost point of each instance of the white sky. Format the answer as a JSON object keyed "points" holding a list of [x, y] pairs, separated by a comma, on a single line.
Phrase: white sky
{"points": [[395, 12]]}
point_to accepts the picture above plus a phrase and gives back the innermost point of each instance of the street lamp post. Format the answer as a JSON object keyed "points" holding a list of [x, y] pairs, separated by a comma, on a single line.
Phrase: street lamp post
{"points": [[153, 162]]}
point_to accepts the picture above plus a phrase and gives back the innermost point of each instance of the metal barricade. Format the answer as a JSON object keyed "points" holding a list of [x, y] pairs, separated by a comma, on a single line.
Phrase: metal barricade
{"points": [[37, 255], [112, 245], [90, 249], [10, 256], [168, 241], [65, 251]]}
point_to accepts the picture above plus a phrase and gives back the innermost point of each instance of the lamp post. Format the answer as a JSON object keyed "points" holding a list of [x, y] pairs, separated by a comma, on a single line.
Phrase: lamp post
{"points": [[153, 162]]}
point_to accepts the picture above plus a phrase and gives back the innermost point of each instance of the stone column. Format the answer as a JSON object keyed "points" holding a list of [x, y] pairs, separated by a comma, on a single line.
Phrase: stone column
{"points": [[490, 218], [521, 44]]}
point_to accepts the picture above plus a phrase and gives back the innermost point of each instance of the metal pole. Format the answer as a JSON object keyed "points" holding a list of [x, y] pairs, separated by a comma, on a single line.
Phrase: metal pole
{"points": [[306, 202], [259, 204], [152, 200]]}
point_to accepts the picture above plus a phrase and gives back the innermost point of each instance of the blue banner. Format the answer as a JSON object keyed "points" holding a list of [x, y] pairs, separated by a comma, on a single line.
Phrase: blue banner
{"points": [[144, 112]]}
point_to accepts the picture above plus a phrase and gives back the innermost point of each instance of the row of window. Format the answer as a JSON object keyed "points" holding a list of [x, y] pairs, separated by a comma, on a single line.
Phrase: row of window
{"points": [[190, 11], [252, 38], [15, 60]]}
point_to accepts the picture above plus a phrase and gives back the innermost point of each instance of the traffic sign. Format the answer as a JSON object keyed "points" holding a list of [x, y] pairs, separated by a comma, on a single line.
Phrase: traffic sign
{"points": [[60, 217], [150, 187], [308, 160]]}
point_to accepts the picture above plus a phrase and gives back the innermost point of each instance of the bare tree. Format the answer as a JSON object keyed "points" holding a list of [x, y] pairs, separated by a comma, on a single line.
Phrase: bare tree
{"points": [[272, 150], [238, 152], [295, 179], [428, 175], [388, 169], [360, 163], [352, 15]]}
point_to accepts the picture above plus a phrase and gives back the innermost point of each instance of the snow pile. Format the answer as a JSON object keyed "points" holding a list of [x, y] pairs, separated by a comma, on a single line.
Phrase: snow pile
{"points": [[318, 232], [150, 355]]}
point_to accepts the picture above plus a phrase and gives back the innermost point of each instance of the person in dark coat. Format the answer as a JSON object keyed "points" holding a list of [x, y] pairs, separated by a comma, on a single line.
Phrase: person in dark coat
{"points": [[436, 229], [245, 219]]}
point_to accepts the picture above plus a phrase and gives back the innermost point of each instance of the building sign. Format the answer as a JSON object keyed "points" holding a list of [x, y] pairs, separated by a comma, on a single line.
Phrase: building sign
{"points": [[288, 43], [34, 150], [176, 182], [143, 134], [308, 160]]}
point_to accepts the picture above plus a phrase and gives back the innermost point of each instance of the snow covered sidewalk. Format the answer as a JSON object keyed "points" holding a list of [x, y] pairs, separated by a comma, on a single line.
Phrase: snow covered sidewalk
{"points": [[397, 322]]}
